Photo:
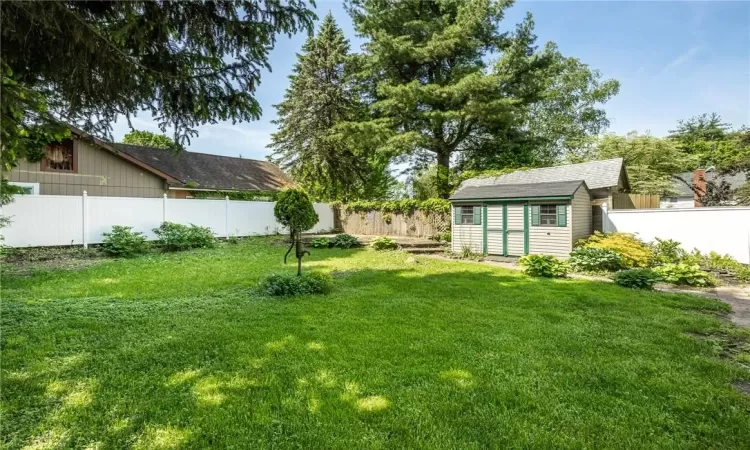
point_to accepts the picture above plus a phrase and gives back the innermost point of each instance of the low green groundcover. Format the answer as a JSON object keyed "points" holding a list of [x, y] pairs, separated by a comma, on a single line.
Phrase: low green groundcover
{"points": [[168, 350]]}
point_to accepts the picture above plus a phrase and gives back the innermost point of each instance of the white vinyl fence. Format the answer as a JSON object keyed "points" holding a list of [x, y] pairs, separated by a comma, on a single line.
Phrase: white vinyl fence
{"points": [[48, 220], [721, 230]]}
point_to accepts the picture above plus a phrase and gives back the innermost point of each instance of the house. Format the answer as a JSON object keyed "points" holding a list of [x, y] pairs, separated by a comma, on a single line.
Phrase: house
{"points": [[86, 163], [684, 183], [537, 211]]}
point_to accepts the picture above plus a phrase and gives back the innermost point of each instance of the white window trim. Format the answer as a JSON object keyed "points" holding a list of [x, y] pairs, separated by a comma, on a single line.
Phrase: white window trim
{"points": [[34, 186]]}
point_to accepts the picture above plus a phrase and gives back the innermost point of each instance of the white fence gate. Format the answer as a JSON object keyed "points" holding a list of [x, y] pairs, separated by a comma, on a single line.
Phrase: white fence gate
{"points": [[721, 230], [48, 220]]}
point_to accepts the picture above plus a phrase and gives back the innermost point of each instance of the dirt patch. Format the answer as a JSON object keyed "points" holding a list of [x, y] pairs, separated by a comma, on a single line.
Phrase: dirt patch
{"points": [[739, 299], [26, 261], [742, 386]]}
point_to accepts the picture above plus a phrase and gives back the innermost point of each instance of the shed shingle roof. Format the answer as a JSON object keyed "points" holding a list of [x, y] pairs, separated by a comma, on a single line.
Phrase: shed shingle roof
{"points": [[510, 191], [212, 171], [596, 174]]}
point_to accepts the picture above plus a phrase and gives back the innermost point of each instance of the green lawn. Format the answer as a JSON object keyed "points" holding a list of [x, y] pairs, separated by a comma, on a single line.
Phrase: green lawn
{"points": [[176, 351]]}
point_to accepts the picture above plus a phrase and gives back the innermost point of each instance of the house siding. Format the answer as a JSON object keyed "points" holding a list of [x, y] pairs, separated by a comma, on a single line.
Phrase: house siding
{"points": [[461, 235], [554, 241], [581, 214], [100, 173]]}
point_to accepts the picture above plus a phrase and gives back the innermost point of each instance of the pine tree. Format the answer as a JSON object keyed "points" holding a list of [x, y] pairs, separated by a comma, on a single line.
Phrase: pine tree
{"points": [[320, 98]]}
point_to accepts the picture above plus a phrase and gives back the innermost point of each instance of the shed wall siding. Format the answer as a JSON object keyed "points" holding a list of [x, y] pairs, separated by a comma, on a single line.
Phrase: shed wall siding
{"points": [[100, 173], [581, 215], [467, 235], [554, 241]]}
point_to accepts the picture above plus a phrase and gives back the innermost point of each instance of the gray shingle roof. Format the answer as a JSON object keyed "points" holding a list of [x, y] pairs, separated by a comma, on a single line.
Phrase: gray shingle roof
{"points": [[212, 171], [509, 191], [596, 174], [684, 180]]}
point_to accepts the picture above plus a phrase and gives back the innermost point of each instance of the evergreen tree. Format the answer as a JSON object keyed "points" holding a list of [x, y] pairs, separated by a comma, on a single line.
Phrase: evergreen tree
{"points": [[434, 94], [320, 98]]}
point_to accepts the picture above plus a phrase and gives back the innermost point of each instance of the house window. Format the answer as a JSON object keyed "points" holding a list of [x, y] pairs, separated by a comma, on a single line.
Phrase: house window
{"points": [[26, 188], [549, 215], [468, 215], [60, 157]]}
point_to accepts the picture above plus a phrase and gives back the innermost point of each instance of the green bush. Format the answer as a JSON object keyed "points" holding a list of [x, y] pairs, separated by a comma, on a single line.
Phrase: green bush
{"points": [[344, 241], [544, 266], [383, 243], [284, 285], [444, 236], [294, 210], [667, 251], [637, 279], [590, 259], [320, 243], [633, 251], [123, 242], [685, 274], [176, 237], [715, 261]]}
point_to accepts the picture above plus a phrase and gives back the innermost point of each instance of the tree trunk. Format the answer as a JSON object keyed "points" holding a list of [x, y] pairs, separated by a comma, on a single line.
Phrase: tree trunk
{"points": [[443, 174]]}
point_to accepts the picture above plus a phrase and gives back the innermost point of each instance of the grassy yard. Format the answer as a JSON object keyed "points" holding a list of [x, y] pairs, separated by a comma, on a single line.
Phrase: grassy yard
{"points": [[176, 351]]}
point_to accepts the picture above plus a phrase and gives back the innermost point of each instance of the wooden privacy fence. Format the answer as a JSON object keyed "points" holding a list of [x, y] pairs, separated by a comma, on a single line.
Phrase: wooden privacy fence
{"points": [[635, 201], [416, 224]]}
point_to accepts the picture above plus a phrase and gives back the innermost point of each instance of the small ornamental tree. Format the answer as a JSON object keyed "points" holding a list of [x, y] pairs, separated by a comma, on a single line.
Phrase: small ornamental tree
{"points": [[295, 211]]}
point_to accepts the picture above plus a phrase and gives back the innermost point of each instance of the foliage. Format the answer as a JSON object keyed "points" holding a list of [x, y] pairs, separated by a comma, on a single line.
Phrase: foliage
{"points": [[344, 241], [637, 278], [633, 251], [285, 285], [684, 274], [309, 143], [667, 251], [123, 242], [294, 210], [320, 242], [544, 266], [149, 139], [176, 237], [590, 259], [248, 196], [444, 236], [187, 63], [715, 261], [403, 207], [383, 243]]}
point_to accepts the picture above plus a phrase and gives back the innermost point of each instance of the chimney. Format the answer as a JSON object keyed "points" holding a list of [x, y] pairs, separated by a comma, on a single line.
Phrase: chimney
{"points": [[699, 185]]}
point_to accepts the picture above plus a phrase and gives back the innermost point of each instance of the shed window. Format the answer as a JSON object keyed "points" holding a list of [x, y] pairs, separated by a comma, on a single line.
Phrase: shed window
{"points": [[549, 215], [468, 215], [60, 157]]}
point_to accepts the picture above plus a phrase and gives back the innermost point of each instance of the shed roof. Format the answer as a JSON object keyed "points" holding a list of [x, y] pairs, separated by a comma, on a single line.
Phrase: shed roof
{"points": [[211, 171], [596, 174], [562, 189]]}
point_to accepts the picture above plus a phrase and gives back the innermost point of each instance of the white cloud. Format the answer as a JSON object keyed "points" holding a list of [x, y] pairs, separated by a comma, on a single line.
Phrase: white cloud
{"points": [[683, 58]]}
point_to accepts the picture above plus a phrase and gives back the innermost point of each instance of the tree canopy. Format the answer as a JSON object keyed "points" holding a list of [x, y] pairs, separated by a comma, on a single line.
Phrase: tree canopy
{"points": [[86, 63], [149, 139]]}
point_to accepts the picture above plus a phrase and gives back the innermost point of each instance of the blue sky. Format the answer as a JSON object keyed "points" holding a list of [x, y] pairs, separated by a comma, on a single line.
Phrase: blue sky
{"points": [[674, 60]]}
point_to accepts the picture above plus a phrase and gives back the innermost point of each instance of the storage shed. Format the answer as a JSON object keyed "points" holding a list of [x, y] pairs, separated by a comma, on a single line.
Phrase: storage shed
{"points": [[520, 219]]}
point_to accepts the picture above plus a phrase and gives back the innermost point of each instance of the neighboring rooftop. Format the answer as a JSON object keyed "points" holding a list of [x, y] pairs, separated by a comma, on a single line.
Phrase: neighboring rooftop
{"points": [[596, 174], [683, 181], [508, 191], [211, 171]]}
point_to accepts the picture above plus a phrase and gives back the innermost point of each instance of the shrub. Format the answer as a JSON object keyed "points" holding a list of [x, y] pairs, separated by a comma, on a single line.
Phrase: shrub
{"points": [[667, 251], [123, 242], [383, 243], [284, 285], [637, 278], [633, 251], [715, 261], [590, 259], [685, 274], [320, 243], [176, 237], [544, 266], [294, 210], [444, 236], [344, 241]]}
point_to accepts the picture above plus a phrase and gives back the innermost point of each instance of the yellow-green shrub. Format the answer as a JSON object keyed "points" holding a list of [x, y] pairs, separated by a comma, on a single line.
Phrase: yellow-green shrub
{"points": [[633, 251]]}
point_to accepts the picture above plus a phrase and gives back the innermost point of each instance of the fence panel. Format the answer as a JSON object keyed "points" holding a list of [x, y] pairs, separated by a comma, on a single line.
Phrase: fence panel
{"points": [[50, 220], [721, 230], [635, 201], [417, 224]]}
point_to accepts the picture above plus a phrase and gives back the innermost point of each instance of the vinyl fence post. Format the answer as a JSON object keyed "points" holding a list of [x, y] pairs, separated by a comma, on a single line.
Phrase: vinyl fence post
{"points": [[226, 216], [85, 219], [605, 218], [164, 209]]}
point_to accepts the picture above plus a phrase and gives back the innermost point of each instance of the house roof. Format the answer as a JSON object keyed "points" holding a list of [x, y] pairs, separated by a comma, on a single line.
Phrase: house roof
{"points": [[683, 181], [562, 189], [596, 174], [211, 171]]}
